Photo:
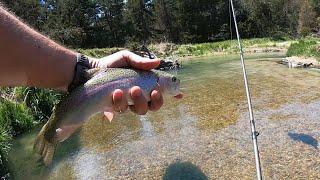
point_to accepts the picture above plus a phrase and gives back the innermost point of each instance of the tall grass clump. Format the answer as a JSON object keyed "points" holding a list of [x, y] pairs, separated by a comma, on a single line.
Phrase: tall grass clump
{"points": [[15, 118], [228, 47], [22, 108], [39, 101], [307, 48], [4, 149]]}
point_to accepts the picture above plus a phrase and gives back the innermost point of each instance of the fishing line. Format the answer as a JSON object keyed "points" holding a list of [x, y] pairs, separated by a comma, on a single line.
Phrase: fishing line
{"points": [[254, 133]]}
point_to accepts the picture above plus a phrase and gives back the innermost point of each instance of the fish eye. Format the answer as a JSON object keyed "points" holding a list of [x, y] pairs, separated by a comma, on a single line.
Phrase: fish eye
{"points": [[174, 79]]}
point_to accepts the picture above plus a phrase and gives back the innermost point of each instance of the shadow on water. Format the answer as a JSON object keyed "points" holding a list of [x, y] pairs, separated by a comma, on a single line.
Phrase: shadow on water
{"points": [[306, 139], [184, 171]]}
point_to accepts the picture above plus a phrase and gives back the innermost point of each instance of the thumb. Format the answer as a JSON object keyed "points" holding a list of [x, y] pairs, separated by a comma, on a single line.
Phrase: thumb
{"points": [[146, 64], [139, 62]]}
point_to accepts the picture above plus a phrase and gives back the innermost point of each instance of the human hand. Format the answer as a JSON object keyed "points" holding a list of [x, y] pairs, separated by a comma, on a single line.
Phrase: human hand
{"points": [[128, 59]]}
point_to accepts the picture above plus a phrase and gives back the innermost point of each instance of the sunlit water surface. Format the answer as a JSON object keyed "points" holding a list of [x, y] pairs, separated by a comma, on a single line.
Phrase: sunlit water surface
{"points": [[206, 135]]}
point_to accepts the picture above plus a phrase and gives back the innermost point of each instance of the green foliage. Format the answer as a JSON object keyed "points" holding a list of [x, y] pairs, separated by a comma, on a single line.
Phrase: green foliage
{"points": [[5, 138], [20, 110], [197, 49], [28, 10], [140, 17], [99, 52], [15, 117], [118, 23], [307, 48], [40, 101], [224, 46], [307, 19], [4, 142]]}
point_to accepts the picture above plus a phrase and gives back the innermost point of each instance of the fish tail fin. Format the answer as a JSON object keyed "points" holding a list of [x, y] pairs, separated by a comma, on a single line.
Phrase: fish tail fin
{"points": [[44, 147]]}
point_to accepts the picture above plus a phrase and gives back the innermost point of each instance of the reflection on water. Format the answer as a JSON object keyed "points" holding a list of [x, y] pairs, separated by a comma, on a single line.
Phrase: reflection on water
{"points": [[206, 134]]}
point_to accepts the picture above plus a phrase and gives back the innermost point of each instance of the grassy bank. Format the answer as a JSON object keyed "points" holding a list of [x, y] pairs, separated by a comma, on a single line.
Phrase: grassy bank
{"points": [[202, 49], [305, 48], [21, 109]]}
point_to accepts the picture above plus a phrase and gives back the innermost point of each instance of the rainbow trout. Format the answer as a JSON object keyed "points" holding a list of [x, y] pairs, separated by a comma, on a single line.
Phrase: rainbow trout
{"points": [[95, 96]]}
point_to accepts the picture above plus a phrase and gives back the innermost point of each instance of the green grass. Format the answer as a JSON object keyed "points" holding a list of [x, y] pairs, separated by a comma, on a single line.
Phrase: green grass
{"points": [[200, 49], [15, 118], [98, 52], [228, 47], [306, 48], [21, 109]]}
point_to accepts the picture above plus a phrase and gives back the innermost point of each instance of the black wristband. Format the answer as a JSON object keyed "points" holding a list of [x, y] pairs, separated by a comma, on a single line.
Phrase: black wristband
{"points": [[79, 77]]}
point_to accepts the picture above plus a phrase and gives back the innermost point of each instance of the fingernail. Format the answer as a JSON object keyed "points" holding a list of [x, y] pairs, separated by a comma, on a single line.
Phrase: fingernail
{"points": [[158, 97], [136, 92]]}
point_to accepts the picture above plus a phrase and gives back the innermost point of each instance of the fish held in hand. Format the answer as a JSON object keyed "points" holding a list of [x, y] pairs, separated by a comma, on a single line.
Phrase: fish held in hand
{"points": [[95, 96]]}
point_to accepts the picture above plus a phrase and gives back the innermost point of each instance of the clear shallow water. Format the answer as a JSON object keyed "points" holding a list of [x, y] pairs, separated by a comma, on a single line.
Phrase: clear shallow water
{"points": [[206, 135]]}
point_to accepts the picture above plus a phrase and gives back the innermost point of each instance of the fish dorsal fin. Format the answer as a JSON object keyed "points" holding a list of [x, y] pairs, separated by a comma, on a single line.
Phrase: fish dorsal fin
{"points": [[92, 72]]}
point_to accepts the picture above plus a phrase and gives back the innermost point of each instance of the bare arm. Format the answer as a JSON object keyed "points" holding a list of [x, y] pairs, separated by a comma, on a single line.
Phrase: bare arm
{"points": [[28, 58]]}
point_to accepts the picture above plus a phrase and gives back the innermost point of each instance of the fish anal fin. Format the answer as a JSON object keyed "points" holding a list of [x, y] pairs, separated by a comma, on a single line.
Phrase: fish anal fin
{"points": [[109, 115]]}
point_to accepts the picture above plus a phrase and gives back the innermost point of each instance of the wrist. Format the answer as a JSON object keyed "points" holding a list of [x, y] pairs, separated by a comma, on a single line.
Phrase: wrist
{"points": [[94, 62], [83, 63]]}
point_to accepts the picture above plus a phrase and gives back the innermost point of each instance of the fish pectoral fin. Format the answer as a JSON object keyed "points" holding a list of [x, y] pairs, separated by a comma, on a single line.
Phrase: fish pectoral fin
{"points": [[109, 115]]}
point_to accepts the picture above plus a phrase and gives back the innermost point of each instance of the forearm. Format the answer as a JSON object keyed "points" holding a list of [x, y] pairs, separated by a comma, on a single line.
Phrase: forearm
{"points": [[28, 58]]}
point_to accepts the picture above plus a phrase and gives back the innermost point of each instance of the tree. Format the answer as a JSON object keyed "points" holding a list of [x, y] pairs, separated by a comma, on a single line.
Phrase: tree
{"points": [[140, 20], [110, 27], [307, 19], [28, 10], [164, 26]]}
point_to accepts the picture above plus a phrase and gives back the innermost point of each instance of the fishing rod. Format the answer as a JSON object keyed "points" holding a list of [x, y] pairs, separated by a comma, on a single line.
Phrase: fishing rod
{"points": [[254, 133]]}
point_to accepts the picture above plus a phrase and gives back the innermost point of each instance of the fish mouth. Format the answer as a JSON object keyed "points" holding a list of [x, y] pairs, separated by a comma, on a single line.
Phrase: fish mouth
{"points": [[178, 96]]}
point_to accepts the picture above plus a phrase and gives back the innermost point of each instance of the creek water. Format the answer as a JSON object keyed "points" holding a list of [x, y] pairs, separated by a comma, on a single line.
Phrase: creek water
{"points": [[206, 135]]}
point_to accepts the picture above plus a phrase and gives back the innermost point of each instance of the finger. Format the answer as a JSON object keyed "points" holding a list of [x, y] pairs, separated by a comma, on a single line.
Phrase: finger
{"points": [[156, 100], [139, 62], [140, 103], [126, 58], [119, 101], [114, 60]]}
